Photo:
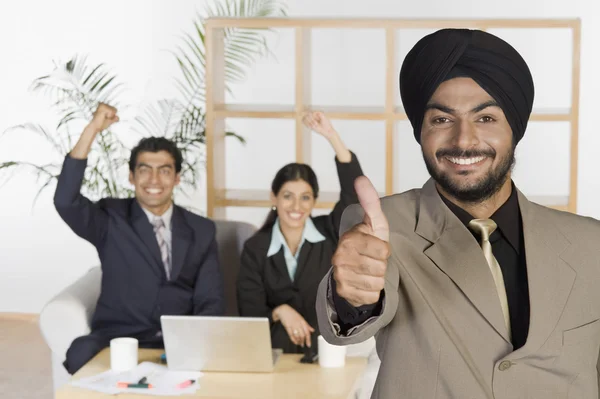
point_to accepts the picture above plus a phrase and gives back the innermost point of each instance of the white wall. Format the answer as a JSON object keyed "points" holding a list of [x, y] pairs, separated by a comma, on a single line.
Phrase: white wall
{"points": [[39, 255]]}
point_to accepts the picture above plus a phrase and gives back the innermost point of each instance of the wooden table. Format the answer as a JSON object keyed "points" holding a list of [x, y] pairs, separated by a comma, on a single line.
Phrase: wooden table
{"points": [[290, 379]]}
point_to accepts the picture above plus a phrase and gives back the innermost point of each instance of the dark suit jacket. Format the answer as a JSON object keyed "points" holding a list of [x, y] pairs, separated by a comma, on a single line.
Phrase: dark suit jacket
{"points": [[135, 292], [264, 282]]}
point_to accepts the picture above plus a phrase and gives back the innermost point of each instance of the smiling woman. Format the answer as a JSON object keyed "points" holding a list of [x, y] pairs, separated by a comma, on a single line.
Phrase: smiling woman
{"points": [[283, 263]]}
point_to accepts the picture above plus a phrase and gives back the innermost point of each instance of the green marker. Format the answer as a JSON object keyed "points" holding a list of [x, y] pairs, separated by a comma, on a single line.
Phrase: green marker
{"points": [[127, 385]]}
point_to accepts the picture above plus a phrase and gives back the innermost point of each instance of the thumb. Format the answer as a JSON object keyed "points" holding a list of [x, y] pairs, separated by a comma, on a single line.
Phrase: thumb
{"points": [[371, 204]]}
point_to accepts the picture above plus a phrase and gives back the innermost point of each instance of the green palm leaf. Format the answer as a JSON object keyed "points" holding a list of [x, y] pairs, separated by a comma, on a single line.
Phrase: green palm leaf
{"points": [[183, 120], [74, 89], [242, 46]]}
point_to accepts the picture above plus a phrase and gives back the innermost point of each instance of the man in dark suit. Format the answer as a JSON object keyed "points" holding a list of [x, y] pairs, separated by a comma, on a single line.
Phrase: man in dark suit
{"points": [[157, 258]]}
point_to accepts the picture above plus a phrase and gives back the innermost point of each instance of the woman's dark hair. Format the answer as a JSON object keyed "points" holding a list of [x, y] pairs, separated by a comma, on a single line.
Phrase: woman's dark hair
{"points": [[290, 172]]}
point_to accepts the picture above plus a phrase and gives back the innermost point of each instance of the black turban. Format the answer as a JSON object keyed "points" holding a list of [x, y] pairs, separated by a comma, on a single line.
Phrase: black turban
{"points": [[491, 62]]}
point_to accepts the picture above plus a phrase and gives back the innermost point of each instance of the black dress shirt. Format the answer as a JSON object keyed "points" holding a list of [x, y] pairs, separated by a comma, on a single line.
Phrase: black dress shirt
{"points": [[508, 248]]}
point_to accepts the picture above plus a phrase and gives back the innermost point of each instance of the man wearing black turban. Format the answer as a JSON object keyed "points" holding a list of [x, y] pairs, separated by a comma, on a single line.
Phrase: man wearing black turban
{"points": [[491, 62], [471, 290]]}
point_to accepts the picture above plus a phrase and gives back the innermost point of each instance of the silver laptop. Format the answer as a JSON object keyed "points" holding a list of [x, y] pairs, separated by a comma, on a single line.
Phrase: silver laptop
{"points": [[206, 343]]}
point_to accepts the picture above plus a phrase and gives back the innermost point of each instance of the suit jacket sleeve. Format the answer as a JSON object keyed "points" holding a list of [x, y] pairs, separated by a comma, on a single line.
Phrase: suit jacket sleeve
{"points": [[209, 294], [327, 315], [251, 294], [350, 316], [87, 219], [347, 174]]}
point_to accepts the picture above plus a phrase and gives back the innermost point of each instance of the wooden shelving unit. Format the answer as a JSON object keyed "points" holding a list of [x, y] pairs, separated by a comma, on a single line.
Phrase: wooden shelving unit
{"points": [[219, 197]]}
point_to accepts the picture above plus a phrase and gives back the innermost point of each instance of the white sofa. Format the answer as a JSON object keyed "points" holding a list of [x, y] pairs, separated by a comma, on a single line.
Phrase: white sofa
{"points": [[66, 317]]}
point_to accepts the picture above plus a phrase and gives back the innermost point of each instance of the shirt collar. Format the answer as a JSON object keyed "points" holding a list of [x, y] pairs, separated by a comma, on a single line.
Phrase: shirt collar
{"points": [[166, 217], [507, 218], [310, 234]]}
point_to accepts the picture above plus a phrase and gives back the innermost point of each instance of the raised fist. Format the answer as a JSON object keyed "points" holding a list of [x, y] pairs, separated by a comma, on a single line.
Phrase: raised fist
{"points": [[104, 116]]}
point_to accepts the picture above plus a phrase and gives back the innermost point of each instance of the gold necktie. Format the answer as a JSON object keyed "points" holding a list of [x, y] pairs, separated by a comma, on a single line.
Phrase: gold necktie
{"points": [[484, 228]]}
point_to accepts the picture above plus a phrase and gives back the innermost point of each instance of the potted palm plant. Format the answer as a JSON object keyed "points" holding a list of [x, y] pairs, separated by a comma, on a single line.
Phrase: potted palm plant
{"points": [[74, 89]]}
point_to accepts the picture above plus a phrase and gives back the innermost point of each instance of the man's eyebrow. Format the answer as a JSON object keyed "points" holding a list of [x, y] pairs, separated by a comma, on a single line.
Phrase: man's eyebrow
{"points": [[482, 106], [449, 110], [439, 107]]}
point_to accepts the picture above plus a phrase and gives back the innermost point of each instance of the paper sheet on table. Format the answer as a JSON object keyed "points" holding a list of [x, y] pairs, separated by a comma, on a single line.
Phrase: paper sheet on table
{"points": [[164, 381]]}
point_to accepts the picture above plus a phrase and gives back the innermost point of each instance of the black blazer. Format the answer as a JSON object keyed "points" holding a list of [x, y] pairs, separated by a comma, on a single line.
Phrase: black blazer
{"points": [[264, 282], [135, 292]]}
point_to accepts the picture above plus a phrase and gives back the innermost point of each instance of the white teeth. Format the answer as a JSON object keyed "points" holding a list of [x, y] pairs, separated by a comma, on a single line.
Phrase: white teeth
{"points": [[295, 215], [465, 161], [153, 191]]}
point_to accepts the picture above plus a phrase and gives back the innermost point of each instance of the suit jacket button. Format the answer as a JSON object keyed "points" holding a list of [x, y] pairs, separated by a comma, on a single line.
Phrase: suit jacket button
{"points": [[505, 365]]}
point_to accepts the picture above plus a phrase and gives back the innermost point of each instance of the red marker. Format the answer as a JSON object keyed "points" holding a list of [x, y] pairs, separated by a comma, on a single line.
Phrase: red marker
{"points": [[185, 383]]}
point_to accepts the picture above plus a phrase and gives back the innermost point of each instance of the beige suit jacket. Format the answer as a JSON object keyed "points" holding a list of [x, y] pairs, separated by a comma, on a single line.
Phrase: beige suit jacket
{"points": [[441, 332]]}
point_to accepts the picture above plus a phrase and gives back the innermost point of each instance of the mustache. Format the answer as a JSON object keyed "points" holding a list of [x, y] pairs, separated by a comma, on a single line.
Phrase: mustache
{"points": [[460, 153]]}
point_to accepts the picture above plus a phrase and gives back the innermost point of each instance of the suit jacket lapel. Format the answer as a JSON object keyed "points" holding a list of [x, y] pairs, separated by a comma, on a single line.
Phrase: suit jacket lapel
{"points": [[181, 239], [456, 252], [302, 260], [281, 265], [144, 230], [550, 278]]}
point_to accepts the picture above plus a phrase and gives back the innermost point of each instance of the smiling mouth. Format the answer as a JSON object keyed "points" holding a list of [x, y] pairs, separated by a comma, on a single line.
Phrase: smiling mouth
{"points": [[295, 215], [153, 191], [465, 160]]}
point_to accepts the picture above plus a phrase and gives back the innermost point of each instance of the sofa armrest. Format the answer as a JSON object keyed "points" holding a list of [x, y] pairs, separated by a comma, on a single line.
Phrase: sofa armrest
{"points": [[68, 315]]}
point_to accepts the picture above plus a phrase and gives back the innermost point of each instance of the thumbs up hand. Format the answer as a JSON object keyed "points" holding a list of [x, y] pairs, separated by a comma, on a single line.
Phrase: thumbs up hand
{"points": [[360, 261]]}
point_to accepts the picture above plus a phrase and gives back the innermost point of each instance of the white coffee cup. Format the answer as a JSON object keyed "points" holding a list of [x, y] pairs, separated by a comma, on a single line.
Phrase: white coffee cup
{"points": [[331, 356], [123, 354]]}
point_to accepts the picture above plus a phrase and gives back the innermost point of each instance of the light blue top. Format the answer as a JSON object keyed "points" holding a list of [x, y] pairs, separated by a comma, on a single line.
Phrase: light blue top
{"points": [[310, 234]]}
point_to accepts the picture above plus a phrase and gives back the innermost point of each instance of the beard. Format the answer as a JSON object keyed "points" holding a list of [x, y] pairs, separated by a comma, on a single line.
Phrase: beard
{"points": [[477, 191]]}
